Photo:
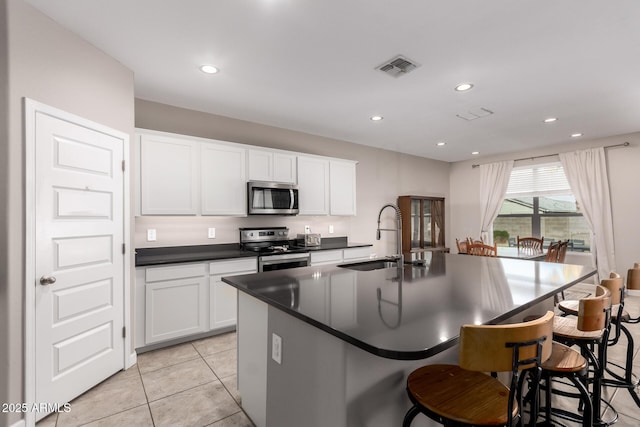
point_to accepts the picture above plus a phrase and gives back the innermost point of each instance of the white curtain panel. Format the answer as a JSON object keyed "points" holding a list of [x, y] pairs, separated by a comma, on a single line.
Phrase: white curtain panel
{"points": [[494, 179], [586, 172]]}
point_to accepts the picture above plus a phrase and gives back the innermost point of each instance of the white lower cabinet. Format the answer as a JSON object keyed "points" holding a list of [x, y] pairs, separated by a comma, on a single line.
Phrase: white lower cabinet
{"points": [[326, 257], [340, 255], [223, 299], [175, 302], [178, 300], [357, 254]]}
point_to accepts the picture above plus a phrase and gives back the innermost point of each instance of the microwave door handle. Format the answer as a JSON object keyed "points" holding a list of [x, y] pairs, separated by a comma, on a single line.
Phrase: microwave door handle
{"points": [[291, 198]]}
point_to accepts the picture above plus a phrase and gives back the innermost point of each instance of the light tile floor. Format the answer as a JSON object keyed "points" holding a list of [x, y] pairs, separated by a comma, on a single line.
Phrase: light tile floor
{"points": [[191, 385], [194, 384]]}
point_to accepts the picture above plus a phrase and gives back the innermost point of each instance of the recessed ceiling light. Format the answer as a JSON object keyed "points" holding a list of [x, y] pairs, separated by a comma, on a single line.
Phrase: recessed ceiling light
{"points": [[376, 118], [441, 143], [463, 87], [576, 135], [209, 69], [550, 119], [475, 152]]}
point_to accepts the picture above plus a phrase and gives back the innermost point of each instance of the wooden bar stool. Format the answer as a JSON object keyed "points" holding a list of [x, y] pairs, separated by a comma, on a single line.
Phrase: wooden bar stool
{"points": [[463, 394], [619, 316], [588, 331]]}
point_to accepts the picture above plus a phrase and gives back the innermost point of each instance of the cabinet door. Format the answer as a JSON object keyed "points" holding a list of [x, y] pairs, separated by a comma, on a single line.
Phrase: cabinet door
{"points": [[326, 257], [168, 176], [355, 254], [223, 302], [175, 308], [342, 187], [224, 180], [260, 165], [313, 186], [284, 168]]}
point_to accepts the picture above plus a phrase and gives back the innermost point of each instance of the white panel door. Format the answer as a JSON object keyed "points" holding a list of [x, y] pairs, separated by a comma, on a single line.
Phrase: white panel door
{"points": [[79, 243], [313, 186]]}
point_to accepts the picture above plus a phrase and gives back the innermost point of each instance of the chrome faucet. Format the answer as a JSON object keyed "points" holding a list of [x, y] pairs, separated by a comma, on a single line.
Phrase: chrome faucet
{"points": [[398, 229]]}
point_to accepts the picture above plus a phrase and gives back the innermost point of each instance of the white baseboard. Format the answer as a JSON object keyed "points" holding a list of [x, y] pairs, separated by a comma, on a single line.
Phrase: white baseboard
{"points": [[633, 292], [133, 359]]}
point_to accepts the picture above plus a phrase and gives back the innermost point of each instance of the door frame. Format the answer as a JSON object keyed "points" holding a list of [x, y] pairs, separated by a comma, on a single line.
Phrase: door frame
{"points": [[32, 107]]}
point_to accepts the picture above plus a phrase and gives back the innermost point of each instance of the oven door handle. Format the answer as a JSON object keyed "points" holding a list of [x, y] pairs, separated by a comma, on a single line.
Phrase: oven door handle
{"points": [[291, 197], [277, 259]]}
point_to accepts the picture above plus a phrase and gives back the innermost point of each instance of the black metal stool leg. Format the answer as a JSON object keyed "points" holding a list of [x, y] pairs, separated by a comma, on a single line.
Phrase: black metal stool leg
{"points": [[410, 415], [627, 381]]}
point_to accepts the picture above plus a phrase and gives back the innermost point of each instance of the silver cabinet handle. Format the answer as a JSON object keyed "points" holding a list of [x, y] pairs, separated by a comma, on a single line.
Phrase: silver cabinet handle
{"points": [[47, 280]]}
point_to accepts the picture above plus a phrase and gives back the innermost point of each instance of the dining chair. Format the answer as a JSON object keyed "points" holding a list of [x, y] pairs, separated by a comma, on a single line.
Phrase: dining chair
{"points": [[530, 243], [482, 249], [464, 394], [552, 252], [462, 246], [562, 251]]}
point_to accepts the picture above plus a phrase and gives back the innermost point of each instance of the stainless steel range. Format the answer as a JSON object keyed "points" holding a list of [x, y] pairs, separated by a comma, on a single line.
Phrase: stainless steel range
{"points": [[274, 249]]}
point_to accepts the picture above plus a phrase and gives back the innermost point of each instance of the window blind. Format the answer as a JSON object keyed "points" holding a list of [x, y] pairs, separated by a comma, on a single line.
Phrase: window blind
{"points": [[538, 180]]}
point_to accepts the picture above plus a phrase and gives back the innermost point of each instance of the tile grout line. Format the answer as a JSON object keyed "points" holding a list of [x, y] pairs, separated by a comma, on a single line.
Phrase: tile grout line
{"points": [[144, 389]]}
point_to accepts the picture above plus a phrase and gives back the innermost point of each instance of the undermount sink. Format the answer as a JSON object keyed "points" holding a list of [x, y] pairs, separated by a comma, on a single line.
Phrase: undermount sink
{"points": [[377, 264]]}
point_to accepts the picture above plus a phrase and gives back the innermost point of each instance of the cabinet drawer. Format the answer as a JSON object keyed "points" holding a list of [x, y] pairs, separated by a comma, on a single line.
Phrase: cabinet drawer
{"points": [[181, 271], [326, 257], [357, 253], [234, 265]]}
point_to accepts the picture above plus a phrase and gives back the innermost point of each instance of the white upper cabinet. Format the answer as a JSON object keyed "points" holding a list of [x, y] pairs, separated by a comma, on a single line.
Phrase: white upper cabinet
{"points": [[342, 187], [169, 173], [223, 179], [274, 166], [313, 186]]}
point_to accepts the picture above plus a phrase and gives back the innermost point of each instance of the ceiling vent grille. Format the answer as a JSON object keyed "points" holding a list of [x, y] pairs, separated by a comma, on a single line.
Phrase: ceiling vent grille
{"points": [[475, 113], [398, 66]]}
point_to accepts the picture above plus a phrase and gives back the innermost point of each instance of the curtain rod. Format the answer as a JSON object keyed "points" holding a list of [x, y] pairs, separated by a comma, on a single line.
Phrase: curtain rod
{"points": [[624, 144]]}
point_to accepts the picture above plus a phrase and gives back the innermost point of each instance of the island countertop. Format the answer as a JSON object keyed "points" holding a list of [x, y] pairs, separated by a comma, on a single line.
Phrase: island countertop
{"points": [[412, 312]]}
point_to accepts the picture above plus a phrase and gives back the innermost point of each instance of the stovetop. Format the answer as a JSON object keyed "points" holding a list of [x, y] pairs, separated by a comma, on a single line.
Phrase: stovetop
{"points": [[268, 241]]}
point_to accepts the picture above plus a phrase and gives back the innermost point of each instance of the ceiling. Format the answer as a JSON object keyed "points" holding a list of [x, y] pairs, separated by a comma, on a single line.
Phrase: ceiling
{"points": [[310, 65]]}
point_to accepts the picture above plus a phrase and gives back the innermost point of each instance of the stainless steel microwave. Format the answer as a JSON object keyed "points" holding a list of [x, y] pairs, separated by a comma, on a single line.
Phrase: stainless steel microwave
{"points": [[272, 198]]}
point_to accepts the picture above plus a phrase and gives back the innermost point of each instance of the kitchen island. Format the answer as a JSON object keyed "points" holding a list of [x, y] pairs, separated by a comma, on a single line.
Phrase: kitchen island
{"points": [[345, 340]]}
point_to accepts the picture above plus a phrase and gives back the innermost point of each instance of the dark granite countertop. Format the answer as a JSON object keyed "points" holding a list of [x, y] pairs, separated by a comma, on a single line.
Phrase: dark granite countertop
{"points": [[177, 254], [413, 312]]}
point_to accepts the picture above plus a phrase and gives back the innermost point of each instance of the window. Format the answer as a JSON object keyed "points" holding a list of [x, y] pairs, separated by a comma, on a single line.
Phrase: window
{"points": [[539, 203]]}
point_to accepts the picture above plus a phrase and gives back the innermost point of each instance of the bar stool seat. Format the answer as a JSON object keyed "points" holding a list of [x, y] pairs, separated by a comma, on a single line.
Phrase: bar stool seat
{"points": [[437, 388], [464, 394]]}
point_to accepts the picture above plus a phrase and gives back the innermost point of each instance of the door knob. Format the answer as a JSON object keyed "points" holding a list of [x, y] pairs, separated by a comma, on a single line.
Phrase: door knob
{"points": [[47, 280]]}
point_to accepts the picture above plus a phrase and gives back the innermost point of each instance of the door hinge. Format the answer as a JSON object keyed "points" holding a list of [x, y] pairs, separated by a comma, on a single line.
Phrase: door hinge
{"points": [[124, 248], [124, 332], [123, 166]]}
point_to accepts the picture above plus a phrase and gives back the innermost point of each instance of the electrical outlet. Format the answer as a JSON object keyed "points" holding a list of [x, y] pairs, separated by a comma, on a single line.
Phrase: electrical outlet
{"points": [[212, 233], [307, 229], [151, 235], [331, 229], [276, 348]]}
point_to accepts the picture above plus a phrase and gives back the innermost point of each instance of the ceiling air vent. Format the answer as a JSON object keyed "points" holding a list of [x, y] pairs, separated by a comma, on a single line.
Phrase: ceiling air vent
{"points": [[398, 66], [475, 113]]}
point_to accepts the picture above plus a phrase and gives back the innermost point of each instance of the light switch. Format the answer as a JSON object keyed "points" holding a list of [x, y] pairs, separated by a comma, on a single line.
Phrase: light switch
{"points": [[151, 235], [212, 233]]}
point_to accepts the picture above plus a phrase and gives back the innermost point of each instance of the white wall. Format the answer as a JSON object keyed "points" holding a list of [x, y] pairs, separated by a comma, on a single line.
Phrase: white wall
{"points": [[622, 165], [51, 65], [382, 176]]}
